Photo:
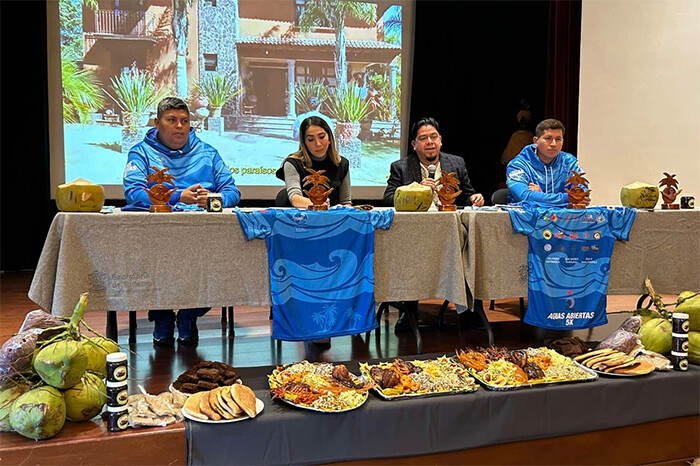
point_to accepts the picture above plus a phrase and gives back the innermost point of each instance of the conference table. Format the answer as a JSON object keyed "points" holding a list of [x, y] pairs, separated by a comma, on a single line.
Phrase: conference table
{"points": [[131, 261]]}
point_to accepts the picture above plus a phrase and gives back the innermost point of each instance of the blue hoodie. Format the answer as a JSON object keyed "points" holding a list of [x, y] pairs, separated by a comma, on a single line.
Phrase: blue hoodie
{"points": [[527, 168], [196, 162]]}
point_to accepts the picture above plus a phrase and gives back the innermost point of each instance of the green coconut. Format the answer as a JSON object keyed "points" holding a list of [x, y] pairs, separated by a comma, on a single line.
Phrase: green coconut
{"points": [[61, 364], [689, 302], [97, 348], [647, 314], [9, 392], [639, 195], [413, 198], [39, 413], [694, 348], [655, 335], [85, 399]]}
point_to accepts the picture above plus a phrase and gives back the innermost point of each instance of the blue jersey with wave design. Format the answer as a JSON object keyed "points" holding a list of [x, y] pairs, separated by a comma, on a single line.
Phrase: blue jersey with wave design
{"points": [[569, 262], [321, 269]]}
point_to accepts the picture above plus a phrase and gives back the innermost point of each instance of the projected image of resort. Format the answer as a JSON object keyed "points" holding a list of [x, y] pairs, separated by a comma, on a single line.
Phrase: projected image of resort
{"points": [[247, 69]]}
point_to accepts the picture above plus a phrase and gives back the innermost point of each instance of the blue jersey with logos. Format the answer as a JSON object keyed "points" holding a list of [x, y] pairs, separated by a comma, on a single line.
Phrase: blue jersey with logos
{"points": [[569, 262], [321, 269]]}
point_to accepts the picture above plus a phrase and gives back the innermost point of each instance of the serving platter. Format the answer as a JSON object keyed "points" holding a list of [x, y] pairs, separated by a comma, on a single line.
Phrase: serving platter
{"points": [[434, 377], [557, 369], [312, 386], [259, 406]]}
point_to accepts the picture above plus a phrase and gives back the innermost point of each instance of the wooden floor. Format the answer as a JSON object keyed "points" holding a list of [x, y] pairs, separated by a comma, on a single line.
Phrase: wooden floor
{"points": [[155, 368]]}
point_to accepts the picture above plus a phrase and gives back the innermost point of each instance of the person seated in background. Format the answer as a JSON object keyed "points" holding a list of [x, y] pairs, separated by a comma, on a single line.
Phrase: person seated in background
{"points": [[198, 169], [427, 142], [538, 173], [314, 103], [317, 151]]}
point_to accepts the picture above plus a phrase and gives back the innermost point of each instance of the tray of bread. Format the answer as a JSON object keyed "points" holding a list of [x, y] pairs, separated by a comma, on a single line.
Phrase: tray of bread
{"points": [[205, 376], [498, 368], [405, 379], [323, 387], [229, 403], [615, 363]]}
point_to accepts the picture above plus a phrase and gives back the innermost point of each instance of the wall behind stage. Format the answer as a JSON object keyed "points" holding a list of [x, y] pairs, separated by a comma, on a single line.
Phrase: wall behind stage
{"points": [[472, 62], [639, 109]]}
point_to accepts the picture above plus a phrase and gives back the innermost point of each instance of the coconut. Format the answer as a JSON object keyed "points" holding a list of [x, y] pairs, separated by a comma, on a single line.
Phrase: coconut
{"points": [[647, 314], [80, 196], [656, 335], [97, 349], [689, 302], [639, 195], [61, 364], [39, 414], [10, 391], [694, 347], [85, 399], [414, 197]]}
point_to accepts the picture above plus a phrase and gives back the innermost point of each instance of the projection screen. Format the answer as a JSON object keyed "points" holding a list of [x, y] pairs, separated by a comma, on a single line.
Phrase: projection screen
{"points": [[247, 68]]}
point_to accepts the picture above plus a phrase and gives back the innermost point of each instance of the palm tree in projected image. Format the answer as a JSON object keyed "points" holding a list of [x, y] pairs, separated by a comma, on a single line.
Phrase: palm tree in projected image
{"points": [[180, 27], [81, 92], [333, 13]]}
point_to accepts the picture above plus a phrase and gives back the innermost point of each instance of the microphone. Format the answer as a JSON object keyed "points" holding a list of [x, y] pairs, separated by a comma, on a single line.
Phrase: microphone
{"points": [[431, 171]]}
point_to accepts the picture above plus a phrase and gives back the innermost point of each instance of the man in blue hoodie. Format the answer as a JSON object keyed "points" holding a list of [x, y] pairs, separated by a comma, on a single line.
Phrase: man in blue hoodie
{"points": [[538, 173], [198, 169]]}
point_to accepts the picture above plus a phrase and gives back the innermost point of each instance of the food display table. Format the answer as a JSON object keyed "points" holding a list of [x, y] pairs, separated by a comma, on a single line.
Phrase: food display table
{"points": [[663, 245], [282, 434]]}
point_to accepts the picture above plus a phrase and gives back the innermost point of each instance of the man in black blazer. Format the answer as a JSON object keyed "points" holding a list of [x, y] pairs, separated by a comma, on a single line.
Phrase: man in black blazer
{"points": [[425, 166], [427, 159]]}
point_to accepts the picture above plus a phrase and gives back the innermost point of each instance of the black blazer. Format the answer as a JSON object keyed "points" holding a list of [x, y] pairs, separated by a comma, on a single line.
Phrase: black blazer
{"points": [[407, 170]]}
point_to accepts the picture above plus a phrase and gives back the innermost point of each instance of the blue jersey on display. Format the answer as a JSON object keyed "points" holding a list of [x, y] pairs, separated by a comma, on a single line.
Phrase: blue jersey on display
{"points": [[569, 262], [321, 269]]}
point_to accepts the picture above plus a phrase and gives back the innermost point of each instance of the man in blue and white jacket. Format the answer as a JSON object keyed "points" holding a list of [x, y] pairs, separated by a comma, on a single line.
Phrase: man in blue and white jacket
{"points": [[198, 169], [538, 173]]}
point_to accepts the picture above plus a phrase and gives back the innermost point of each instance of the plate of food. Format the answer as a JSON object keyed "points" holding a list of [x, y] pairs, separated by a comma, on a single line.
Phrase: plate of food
{"points": [[205, 376], [502, 369], [222, 405], [403, 379], [614, 363], [322, 387]]}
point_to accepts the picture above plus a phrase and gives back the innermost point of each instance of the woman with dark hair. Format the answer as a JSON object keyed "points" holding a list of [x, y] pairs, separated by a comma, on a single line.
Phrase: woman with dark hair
{"points": [[317, 151]]}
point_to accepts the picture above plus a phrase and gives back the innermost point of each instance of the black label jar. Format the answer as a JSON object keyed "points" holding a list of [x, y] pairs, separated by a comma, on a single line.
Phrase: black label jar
{"points": [[117, 368], [117, 419], [117, 394]]}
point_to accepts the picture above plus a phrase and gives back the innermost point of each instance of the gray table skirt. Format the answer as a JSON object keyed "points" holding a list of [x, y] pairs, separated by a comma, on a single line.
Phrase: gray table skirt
{"points": [[282, 434]]}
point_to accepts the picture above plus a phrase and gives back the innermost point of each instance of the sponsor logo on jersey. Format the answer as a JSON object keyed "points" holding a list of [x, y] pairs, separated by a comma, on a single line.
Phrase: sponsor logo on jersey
{"points": [[547, 235]]}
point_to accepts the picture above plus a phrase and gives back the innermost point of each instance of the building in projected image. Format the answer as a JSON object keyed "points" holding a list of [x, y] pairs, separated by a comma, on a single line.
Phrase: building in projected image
{"points": [[247, 68], [264, 43]]}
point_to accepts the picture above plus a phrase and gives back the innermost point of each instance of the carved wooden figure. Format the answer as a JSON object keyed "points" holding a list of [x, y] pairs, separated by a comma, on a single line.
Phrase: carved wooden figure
{"points": [[320, 189], [670, 191], [448, 191], [578, 192], [159, 193]]}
